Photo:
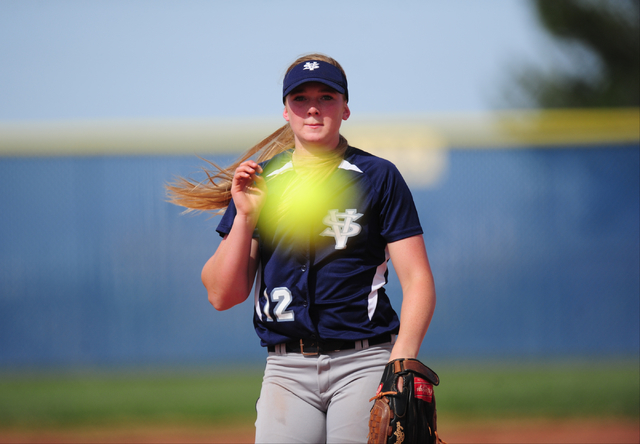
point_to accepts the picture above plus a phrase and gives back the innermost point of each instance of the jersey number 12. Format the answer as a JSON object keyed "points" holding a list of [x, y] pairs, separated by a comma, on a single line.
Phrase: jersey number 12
{"points": [[281, 296]]}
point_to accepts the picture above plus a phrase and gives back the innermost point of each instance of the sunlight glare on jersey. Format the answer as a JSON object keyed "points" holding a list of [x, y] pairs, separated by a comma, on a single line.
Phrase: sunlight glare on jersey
{"points": [[300, 208]]}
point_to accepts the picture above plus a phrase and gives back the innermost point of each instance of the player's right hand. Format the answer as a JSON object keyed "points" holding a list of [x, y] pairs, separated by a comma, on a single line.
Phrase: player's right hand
{"points": [[248, 189]]}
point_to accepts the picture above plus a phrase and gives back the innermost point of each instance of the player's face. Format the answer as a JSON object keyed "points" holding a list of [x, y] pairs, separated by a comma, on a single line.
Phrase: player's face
{"points": [[315, 113]]}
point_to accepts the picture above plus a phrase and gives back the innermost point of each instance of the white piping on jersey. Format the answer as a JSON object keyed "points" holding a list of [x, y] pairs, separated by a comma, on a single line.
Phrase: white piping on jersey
{"points": [[287, 166], [378, 282], [345, 165], [349, 166], [256, 293]]}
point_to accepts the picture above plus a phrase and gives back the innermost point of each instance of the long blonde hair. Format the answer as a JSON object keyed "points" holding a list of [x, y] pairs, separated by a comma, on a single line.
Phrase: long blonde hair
{"points": [[214, 192]]}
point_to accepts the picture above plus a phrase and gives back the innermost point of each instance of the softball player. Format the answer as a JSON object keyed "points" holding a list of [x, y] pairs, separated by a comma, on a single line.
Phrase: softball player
{"points": [[314, 227]]}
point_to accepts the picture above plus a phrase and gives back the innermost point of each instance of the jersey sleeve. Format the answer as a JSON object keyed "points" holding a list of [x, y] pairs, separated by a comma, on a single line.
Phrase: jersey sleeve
{"points": [[398, 214], [224, 227]]}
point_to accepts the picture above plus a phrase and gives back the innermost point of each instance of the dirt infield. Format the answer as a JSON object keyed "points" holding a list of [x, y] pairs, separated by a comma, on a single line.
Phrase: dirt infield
{"points": [[542, 431], [513, 432]]}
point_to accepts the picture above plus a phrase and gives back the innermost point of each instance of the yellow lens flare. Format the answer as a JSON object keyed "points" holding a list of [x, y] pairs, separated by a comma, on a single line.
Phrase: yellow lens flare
{"points": [[295, 212]]}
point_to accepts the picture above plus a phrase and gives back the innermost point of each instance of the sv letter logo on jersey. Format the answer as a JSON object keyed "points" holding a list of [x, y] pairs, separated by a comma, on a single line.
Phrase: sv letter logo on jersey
{"points": [[341, 226]]}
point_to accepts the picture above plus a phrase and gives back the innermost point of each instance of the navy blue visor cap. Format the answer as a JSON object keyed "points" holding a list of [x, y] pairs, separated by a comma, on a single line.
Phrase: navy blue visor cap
{"points": [[315, 71]]}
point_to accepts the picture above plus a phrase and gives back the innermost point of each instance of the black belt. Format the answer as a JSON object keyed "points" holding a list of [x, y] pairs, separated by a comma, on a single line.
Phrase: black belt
{"points": [[316, 347]]}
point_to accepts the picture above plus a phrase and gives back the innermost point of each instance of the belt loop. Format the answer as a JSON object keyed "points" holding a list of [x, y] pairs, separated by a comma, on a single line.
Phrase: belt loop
{"points": [[393, 338], [281, 349]]}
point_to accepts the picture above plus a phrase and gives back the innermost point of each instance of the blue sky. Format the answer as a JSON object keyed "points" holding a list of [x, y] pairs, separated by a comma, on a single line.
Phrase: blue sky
{"points": [[190, 59]]}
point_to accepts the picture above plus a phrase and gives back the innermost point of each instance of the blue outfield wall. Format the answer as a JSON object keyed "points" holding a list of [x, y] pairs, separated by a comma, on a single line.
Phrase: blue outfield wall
{"points": [[535, 253]]}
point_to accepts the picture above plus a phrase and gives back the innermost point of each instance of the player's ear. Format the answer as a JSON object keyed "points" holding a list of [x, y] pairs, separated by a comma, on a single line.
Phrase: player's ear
{"points": [[285, 113], [347, 112]]}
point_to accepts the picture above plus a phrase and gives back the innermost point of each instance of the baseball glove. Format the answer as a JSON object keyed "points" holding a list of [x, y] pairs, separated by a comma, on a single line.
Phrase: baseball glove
{"points": [[405, 413]]}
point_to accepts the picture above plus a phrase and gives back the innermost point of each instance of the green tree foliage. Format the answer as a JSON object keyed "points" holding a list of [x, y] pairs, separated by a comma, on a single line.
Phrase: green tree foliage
{"points": [[599, 42]]}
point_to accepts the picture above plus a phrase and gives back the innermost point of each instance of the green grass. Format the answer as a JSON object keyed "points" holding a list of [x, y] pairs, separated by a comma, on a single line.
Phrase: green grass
{"points": [[466, 391], [540, 390], [137, 399]]}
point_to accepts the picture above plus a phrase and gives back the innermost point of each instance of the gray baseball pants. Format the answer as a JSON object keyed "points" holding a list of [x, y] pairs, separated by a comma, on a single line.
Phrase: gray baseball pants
{"points": [[319, 399]]}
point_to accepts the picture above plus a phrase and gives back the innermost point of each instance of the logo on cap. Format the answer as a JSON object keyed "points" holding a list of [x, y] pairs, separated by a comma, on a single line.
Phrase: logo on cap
{"points": [[311, 66]]}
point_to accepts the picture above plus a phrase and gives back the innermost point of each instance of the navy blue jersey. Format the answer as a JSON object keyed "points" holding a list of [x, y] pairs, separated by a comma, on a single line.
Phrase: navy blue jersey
{"points": [[328, 282]]}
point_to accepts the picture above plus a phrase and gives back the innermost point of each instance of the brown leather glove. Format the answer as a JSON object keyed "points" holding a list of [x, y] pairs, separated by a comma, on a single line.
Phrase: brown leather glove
{"points": [[405, 412]]}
